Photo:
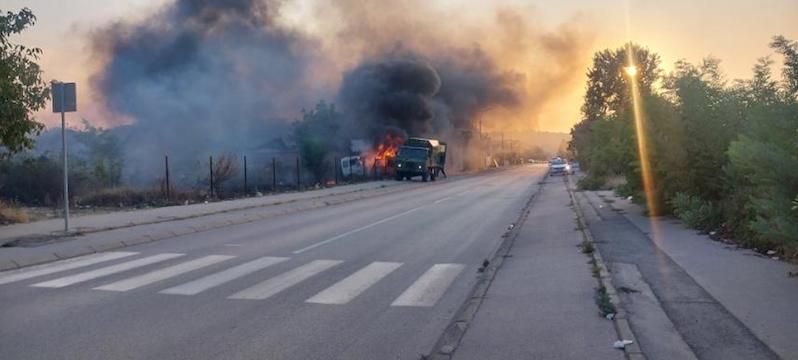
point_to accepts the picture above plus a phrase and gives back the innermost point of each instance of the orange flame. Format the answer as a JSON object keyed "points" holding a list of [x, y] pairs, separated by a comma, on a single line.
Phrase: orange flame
{"points": [[385, 149]]}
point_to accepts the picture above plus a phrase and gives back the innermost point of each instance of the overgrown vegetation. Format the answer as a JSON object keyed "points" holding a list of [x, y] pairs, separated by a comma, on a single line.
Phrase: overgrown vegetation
{"points": [[723, 154], [696, 213], [603, 301], [586, 247], [10, 214], [591, 182]]}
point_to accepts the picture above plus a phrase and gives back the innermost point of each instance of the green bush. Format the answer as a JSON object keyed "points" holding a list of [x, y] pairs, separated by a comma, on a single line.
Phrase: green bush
{"points": [[626, 190], [696, 213], [591, 182]]}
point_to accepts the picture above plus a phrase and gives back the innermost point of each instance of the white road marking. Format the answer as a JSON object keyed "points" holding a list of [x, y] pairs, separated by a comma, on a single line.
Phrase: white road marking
{"points": [[442, 200], [285, 280], [349, 288], [429, 287], [337, 237], [163, 274], [108, 270], [232, 245], [464, 192], [213, 280], [69, 264]]}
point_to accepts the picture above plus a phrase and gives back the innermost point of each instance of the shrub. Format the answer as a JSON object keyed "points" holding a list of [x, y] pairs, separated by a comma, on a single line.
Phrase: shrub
{"points": [[11, 215], [626, 190], [695, 212], [591, 182], [127, 197], [117, 197]]}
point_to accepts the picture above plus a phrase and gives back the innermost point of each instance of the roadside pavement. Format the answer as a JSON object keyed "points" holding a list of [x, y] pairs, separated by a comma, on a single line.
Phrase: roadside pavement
{"points": [[114, 220], [689, 295], [541, 303]]}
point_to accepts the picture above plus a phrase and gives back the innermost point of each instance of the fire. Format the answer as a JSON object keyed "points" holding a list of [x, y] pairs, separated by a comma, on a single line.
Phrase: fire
{"points": [[385, 149]]}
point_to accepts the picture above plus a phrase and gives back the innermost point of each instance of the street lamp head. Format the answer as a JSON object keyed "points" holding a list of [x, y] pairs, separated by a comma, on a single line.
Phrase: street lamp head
{"points": [[631, 70]]}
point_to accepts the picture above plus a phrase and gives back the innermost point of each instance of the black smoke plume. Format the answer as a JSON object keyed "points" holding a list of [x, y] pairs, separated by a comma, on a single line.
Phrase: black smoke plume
{"points": [[424, 96]]}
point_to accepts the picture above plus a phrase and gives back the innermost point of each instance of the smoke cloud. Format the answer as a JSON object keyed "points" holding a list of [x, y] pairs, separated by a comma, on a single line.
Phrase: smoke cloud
{"points": [[201, 76], [425, 97]]}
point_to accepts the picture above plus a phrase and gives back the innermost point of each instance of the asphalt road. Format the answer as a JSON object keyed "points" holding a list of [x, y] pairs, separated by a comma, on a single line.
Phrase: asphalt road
{"points": [[378, 278]]}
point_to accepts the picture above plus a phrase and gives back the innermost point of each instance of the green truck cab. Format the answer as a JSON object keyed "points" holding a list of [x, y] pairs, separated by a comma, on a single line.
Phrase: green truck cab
{"points": [[420, 157]]}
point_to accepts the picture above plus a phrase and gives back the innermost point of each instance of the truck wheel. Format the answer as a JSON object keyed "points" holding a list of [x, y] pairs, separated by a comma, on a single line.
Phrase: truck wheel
{"points": [[433, 174], [424, 177], [399, 177]]}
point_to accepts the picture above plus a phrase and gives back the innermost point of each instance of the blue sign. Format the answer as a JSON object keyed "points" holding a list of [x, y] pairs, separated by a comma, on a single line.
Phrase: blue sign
{"points": [[64, 98]]}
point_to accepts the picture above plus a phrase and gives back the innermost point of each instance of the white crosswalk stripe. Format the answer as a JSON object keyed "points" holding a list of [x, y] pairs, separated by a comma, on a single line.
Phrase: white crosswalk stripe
{"points": [[163, 274], [69, 264], [109, 270], [285, 280], [429, 287], [425, 291], [349, 288], [213, 280]]}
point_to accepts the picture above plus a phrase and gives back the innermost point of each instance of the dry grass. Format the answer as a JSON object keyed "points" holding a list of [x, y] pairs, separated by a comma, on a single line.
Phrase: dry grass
{"points": [[12, 215]]}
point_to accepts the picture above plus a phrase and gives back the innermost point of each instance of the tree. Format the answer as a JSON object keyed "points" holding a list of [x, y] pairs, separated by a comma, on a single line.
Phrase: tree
{"points": [[104, 155], [608, 93], [316, 135], [608, 88], [22, 90], [788, 49], [707, 120], [763, 161]]}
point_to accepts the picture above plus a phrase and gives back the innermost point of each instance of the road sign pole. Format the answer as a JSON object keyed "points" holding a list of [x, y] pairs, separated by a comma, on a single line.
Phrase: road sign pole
{"points": [[64, 100], [64, 158]]}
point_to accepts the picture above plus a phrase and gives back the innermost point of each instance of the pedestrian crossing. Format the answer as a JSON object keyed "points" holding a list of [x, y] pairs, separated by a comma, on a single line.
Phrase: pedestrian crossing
{"points": [[425, 291]]}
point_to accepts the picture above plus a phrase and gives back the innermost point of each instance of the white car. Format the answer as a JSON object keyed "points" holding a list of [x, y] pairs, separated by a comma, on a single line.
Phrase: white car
{"points": [[558, 166]]}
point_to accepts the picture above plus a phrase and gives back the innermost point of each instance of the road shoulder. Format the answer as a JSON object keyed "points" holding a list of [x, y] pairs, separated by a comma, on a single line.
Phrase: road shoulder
{"points": [[742, 280], [704, 321]]}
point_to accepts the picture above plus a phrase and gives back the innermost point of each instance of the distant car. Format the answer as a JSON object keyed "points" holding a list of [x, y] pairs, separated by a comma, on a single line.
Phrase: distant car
{"points": [[573, 167], [557, 166]]}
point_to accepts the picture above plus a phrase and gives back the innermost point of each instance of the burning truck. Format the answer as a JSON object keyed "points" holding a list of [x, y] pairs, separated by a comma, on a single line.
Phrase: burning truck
{"points": [[393, 156]]}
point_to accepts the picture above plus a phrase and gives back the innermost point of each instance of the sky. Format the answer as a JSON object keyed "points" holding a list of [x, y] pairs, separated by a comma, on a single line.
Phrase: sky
{"points": [[735, 31]]}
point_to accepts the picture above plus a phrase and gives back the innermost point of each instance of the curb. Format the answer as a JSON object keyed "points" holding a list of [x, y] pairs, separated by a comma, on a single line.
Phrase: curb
{"points": [[621, 321], [447, 343], [84, 231], [314, 203]]}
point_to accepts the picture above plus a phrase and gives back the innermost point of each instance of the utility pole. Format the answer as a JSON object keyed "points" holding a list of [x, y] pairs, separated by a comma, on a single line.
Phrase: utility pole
{"points": [[166, 167], [245, 176], [298, 178], [64, 100], [335, 169], [210, 169], [274, 175]]}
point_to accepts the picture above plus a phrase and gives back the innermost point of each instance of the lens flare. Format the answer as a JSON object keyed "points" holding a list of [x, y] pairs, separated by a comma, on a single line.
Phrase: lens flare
{"points": [[645, 165]]}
